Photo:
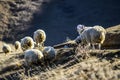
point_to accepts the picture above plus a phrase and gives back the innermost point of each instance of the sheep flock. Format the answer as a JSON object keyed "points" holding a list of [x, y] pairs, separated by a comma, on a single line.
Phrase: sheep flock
{"points": [[35, 51]]}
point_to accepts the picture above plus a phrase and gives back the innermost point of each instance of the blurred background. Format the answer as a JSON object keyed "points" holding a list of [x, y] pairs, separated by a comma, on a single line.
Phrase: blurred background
{"points": [[58, 18]]}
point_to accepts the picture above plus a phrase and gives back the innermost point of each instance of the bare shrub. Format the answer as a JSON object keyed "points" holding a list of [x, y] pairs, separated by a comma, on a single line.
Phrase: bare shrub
{"points": [[83, 52]]}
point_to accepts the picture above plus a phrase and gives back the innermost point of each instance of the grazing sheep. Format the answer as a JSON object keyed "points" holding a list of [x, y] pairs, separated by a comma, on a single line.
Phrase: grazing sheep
{"points": [[17, 45], [92, 35], [33, 56], [6, 48], [49, 54], [39, 37], [27, 43]]}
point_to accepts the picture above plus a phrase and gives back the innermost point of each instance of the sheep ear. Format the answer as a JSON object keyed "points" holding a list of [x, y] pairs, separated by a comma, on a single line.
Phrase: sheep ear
{"points": [[80, 27]]}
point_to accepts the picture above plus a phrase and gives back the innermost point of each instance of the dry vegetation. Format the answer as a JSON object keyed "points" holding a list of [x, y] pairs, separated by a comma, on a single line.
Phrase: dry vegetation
{"points": [[74, 63], [16, 16], [71, 64], [114, 33]]}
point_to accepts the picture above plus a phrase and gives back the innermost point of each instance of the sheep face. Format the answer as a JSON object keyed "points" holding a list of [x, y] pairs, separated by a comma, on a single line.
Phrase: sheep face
{"points": [[80, 28], [6, 48], [27, 43], [17, 45], [39, 37]]}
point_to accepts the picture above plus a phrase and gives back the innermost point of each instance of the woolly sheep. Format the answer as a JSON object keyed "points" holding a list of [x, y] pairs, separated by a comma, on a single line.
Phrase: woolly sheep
{"points": [[33, 56], [6, 48], [92, 35], [27, 43], [49, 54], [39, 37], [17, 45]]}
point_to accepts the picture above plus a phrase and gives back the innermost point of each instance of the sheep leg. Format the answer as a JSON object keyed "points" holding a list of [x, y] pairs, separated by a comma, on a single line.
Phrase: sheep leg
{"points": [[99, 46], [88, 46], [38, 44], [93, 46], [26, 64]]}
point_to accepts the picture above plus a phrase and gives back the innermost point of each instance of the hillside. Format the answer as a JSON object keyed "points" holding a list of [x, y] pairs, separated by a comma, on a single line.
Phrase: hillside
{"points": [[16, 17], [58, 18], [80, 65], [71, 63]]}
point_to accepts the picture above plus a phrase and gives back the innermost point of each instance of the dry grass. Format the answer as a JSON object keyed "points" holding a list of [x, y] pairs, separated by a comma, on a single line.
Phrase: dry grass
{"points": [[15, 17], [85, 64]]}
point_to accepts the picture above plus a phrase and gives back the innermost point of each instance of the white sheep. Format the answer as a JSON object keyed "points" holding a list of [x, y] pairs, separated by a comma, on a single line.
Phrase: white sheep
{"points": [[33, 56], [17, 45], [6, 48], [39, 37], [49, 54], [92, 35], [27, 43]]}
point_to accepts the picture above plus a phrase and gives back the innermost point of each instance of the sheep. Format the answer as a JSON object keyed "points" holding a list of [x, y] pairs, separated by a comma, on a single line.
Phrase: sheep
{"points": [[32, 56], [17, 45], [92, 35], [49, 54], [39, 37], [6, 48], [27, 43]]}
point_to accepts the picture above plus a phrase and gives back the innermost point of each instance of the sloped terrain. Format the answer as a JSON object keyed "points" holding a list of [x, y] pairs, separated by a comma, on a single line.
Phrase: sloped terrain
{"points": [[16, 17], [58, 18], [75, 63], [113, 37]]}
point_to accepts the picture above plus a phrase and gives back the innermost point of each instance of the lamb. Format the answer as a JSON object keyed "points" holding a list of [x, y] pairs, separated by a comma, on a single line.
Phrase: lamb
{"points": [[27, 43], [33, 56], [39, 37], [6, 48], [92, 35], [17, 45]]}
